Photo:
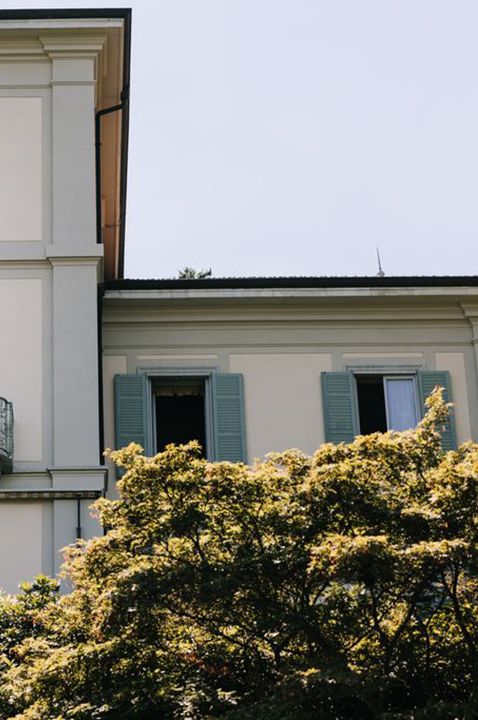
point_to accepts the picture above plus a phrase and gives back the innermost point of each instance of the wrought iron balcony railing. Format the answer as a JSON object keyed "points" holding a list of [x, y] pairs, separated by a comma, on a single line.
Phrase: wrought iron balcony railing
{"points": [[6, 436]]}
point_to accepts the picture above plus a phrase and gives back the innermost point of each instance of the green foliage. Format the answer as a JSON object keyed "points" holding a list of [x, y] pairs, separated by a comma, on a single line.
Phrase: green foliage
{"points": [[335, 587], [22, 620]]}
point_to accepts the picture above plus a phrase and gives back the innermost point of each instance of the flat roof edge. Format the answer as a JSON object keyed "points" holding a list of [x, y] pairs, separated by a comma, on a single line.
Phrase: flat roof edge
{"points": [[66, 14], [252, 283]]}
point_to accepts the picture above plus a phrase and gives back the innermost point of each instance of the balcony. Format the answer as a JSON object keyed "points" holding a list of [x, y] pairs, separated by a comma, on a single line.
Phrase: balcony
{"points": [[6, 436]]}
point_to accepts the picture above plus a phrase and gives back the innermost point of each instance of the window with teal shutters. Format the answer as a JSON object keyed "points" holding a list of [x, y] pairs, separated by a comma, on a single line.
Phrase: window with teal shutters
{"points": [[427, 381], [340, 408], [228, 417], [225, 413], [131, 411]]}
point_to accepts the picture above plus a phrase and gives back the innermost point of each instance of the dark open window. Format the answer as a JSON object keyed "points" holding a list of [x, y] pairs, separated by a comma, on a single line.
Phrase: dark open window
{"points": [[371, 403], [180, 411], [386, 402]]}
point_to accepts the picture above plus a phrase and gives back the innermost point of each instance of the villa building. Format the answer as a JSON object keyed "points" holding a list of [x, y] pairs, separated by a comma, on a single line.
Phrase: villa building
{"points": [[90, 360]]}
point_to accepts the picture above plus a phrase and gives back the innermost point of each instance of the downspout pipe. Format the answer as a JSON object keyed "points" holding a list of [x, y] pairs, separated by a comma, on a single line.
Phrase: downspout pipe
{"points": [[101, 414], [98, 115], [120, 107], [78, 519], [123, 107]]}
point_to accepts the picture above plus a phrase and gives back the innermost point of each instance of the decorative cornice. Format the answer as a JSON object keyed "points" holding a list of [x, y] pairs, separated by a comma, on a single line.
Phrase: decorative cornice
{"points": [[50, 494], [79, 479], [22, 50], [208, 293], [90, 255], [79, 45], [470, 311], [78, 469]]}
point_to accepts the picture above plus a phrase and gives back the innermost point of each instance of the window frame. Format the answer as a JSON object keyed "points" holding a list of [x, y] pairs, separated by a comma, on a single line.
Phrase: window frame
{"points": [[197, 373], [416, 403], [390, 372], [340, 407], [227, 428]]}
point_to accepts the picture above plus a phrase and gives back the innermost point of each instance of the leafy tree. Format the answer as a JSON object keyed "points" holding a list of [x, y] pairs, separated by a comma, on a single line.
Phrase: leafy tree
{"points": [[335, 587], [189, 273], [21, 621]]}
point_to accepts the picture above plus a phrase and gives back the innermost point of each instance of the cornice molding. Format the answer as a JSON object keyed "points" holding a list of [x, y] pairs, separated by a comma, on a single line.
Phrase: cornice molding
{"points": [[72, 45], [69, 254], [470, 312], [402, 293], [48, 494], [22, 50], [80, 46]]}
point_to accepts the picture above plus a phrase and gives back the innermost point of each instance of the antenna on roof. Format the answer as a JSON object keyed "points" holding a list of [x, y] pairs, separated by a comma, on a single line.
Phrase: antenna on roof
{"points": [[380, 271]]}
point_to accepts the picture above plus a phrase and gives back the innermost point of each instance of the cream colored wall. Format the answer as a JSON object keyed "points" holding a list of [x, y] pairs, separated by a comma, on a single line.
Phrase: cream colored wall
{"points": [[21, 362], [112, 365], [21, 539], [283, 348], [455, 363], [283, 400], [21, 169]]}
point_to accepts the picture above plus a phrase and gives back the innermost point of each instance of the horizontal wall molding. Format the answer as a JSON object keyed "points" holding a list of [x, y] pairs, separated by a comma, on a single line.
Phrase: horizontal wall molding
{"points": [[50, 495]]}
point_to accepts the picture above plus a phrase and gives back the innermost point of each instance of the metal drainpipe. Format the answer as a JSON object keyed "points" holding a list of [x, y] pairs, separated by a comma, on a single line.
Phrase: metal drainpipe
{"points": [[98, 115], [78, 518], [99, 239]]}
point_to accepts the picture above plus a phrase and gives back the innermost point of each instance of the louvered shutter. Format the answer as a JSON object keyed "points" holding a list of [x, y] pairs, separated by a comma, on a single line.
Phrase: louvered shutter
{"points": [[427, 381], [340, 408], [131, 411], [228, 417]]}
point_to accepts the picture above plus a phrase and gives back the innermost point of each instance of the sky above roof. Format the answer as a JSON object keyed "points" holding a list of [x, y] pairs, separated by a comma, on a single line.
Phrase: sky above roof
{"points": [[293, 137]]}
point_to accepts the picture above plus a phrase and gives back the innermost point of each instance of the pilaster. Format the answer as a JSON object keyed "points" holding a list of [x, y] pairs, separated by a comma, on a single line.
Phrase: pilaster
{"points": [[470, 311], [75, 361], [75, 67]]}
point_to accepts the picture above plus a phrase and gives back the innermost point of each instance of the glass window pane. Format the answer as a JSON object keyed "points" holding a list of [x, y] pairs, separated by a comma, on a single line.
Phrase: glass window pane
{"points": [[401, 403]]}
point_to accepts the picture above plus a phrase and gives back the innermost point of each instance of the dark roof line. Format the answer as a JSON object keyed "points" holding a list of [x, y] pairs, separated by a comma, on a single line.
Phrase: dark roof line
{"points": [[260, 283], [67, 14]]}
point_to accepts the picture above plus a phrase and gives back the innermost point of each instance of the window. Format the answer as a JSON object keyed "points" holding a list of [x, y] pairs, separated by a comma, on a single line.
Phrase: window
{"points": [[179, 411], [386, 402], [156, 407], [361, 403]]}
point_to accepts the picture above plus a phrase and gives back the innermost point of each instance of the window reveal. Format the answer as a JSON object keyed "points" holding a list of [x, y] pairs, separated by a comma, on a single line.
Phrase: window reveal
{"points": [[179, 411], [386, 402]]}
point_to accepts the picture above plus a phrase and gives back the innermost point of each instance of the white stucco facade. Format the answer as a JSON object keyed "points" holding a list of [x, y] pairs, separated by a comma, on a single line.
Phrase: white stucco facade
{"points": [[53, 77]]}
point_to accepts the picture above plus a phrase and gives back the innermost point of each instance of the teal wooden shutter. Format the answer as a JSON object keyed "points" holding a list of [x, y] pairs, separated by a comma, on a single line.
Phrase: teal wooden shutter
{"points": [[228, 417], [131, 411], [340, 408], [427, 381]]}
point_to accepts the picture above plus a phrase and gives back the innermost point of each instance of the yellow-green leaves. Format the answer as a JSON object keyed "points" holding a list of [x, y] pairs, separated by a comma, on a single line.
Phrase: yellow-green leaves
{"points": [[341, 586]]}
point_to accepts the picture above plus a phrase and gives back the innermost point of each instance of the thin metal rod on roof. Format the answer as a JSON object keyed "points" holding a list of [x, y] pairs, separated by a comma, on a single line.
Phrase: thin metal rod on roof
{"points": [[380, 270]]}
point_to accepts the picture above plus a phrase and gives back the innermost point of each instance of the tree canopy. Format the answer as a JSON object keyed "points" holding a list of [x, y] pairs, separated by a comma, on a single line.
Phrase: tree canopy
{"points": [[190, 273], [340, 586]]}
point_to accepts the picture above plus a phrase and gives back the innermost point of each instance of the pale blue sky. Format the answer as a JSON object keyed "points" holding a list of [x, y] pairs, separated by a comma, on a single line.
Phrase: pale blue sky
{"points": [[292, 137]]}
